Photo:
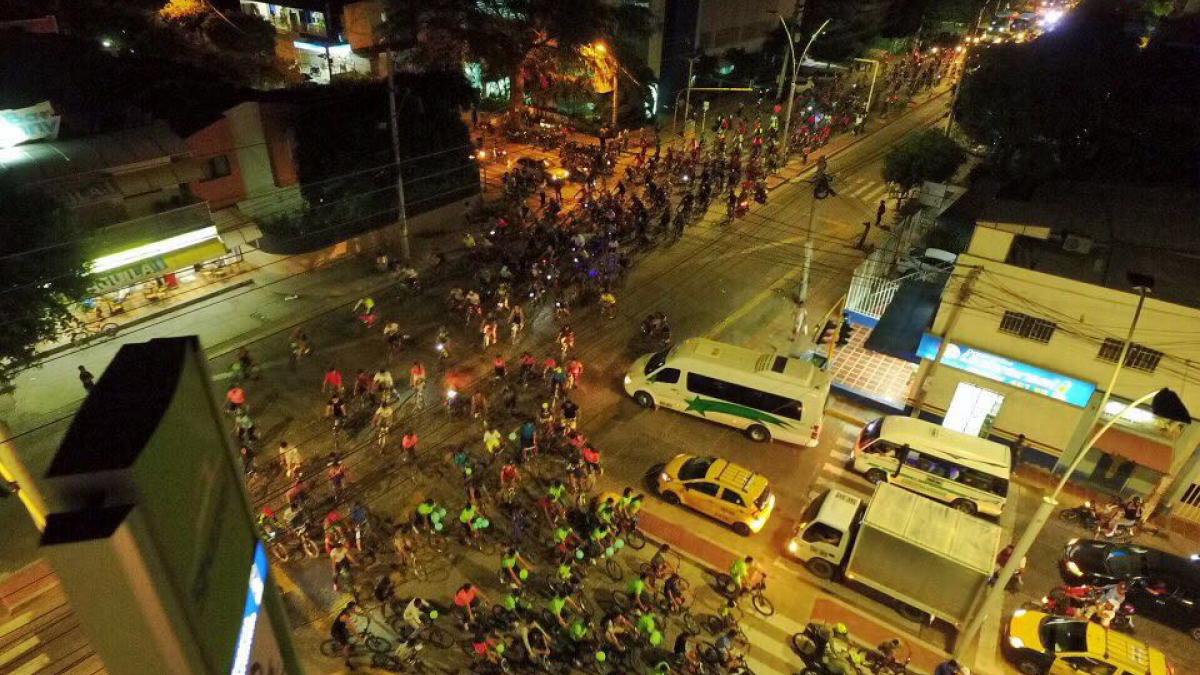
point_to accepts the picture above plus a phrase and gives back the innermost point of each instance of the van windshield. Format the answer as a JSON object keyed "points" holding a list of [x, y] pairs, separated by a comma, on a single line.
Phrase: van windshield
{"points": [[656, 361]]}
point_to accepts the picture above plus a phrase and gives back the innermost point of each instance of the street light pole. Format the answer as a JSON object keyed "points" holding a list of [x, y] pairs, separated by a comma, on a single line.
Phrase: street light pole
{"points": [[405, 253], [874, 76], [687, 101], [787, 118], [1021, 548]]}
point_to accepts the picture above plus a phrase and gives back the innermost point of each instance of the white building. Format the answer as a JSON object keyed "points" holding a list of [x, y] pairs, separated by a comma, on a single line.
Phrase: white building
{"points": [[1034, 317]]}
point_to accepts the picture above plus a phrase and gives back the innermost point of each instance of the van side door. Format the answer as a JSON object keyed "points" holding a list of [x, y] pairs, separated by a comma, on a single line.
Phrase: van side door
{"points": [[667, 390]]}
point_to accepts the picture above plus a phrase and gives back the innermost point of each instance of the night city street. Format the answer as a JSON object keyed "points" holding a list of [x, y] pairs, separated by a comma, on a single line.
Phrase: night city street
{"points": [[945, 282]]}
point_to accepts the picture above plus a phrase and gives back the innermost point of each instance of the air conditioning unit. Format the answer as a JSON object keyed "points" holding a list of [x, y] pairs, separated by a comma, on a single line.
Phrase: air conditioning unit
{"points": [[1074, 243]]}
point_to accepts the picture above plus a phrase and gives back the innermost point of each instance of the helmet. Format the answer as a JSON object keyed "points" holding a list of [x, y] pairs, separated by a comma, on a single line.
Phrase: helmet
{"points": [[840, 629]]}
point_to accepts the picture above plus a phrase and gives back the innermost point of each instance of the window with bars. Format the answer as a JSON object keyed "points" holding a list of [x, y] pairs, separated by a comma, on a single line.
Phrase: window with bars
{"points": [[1139, 357], [1029, 327]]}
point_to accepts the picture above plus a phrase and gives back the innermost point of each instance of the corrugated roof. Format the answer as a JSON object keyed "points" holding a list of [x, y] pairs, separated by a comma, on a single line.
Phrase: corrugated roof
{"points": [[115, 153]]}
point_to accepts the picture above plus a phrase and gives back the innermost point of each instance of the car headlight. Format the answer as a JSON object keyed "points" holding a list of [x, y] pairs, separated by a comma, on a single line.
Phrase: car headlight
{"points": [[1072, 542], [628, 380], [664, 477], [1016, 642], [1019, 613], [793, 547], [1074, 569]]}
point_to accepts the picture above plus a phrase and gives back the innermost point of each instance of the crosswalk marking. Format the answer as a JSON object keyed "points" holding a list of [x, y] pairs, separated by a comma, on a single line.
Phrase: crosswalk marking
{"points": [[865, 190], [771, 644]]}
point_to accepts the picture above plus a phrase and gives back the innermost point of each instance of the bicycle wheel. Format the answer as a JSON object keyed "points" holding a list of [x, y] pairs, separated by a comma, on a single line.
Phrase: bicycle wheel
{"points": [[378, 644], [763, 604], [311, 549], [279, 551], [690, 624], [613, 569], [635, 539], [724, 584], [621, 599], [439, 637]]}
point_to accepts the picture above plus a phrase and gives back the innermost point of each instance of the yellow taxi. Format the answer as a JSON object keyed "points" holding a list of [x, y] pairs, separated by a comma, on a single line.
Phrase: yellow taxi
{"points": [[1043, 644], [719, 489]]}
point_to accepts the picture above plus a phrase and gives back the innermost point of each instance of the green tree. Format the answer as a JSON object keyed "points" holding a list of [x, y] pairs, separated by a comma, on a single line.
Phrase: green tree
{"points": [[42, 273], [929, 155], [527, 40]]}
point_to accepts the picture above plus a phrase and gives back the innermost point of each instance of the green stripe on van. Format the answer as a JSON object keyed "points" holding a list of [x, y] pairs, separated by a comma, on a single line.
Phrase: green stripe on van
{"points": [[704, 406]]}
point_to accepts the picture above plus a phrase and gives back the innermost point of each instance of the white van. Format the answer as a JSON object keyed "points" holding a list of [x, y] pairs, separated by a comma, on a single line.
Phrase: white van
{"points": [[967, 472], [770, 396]]}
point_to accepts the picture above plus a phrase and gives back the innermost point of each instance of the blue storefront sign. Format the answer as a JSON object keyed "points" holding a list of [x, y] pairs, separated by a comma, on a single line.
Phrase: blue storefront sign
{"points": [[1007, 371]]}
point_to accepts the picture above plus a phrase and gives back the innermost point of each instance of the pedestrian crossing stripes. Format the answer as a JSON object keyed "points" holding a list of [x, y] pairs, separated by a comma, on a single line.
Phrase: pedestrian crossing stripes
{"points": [[866, 190], [771, 644]]}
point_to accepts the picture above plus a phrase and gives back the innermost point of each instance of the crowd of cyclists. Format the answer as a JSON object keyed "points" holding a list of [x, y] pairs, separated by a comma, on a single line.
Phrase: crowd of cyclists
{"points": [[518, 487]]}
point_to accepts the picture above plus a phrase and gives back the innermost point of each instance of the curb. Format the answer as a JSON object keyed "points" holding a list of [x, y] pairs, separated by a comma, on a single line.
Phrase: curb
{"points": [[67, 346]]}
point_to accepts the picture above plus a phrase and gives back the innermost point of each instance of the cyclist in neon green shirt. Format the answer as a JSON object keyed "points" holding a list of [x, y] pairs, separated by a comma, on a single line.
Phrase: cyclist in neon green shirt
{"points": [[646, 625], [557, 605], [514, 566], [605, 511], [637, 590], [578, 630]]}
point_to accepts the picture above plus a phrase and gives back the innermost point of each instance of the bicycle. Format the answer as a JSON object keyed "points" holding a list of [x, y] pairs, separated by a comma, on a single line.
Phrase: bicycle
{"points": [[373, 643], [731, 589], [82, 331], [429, 632]]}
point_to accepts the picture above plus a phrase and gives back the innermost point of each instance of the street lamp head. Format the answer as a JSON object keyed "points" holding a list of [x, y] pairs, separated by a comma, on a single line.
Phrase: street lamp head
{"points": [[1167, 404], [1143, 283], [600, 47]]}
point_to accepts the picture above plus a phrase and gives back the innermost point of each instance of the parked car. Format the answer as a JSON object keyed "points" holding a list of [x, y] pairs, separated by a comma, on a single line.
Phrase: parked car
{"points": [[1038, 644], [1162, 586], [535, 169], [718, 488], [926, 262]]}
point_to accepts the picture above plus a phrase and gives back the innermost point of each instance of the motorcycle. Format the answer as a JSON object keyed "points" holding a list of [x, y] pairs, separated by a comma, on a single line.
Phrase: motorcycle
{"points": [[1094, 518], [814, 645]]}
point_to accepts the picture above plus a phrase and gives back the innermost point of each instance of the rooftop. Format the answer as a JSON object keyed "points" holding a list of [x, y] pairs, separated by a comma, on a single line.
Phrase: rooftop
{"points": [[1098, 232]]}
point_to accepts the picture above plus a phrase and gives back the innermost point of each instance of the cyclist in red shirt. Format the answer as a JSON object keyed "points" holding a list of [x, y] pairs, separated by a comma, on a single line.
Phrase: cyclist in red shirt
{"points": [[409, 443], [332, 381]]}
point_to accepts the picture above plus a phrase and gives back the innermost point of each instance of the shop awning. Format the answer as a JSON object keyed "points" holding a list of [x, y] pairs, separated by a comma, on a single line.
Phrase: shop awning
{"points": [[1138, 449], [154, 266], [906, 319], [235, 227]]}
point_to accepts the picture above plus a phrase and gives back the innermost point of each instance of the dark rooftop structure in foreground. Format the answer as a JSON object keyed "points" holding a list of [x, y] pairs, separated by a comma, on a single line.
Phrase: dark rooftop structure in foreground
{"points": [[1097, 233]]}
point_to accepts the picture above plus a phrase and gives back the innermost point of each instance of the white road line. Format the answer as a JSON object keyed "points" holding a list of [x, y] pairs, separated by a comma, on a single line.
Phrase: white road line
{"points": [[837, 470], [769, 653], [840, 454], [860, 190], [875, 193]]}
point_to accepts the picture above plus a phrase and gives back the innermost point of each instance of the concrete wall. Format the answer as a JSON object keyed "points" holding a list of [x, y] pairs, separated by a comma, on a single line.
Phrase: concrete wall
{"points": [[212, 141], [1086, 315]]}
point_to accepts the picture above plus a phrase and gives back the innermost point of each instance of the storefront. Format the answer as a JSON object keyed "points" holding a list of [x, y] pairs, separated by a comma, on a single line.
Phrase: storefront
{"points": [[322, 62], [150, 273], [1001, 398]]}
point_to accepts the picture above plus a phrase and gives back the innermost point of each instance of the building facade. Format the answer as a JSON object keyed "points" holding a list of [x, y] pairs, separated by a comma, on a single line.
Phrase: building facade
{"points": [[1033, 330], [325, 39]]}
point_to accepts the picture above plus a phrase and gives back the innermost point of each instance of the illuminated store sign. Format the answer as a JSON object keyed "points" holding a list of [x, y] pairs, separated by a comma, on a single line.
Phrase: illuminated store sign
{"points": [[1007, 371]]}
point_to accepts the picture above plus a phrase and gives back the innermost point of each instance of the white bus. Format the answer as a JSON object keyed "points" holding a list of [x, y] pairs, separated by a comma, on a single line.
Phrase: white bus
{"points": [[967, 472], [768, 395]]}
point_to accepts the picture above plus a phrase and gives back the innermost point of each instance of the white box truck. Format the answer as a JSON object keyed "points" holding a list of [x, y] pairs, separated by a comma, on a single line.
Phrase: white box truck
{"points": [[928, 557]]}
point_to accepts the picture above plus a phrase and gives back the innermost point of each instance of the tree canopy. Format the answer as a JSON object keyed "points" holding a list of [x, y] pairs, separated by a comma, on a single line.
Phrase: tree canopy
{"points": [[1095, 96], [526, 40], [42, 272], [929, 155]]}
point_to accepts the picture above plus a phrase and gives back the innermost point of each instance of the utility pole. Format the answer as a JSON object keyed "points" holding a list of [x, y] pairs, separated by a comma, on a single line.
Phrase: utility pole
{"points": [[787, 118], [687, 101], [808, 248], [799, 17], [960, 298], [1170, 406], [616, 99], [405, 253]]}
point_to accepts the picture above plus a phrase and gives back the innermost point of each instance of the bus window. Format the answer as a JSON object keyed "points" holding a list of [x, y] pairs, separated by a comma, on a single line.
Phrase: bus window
{"points": [[751, 398], [666, 376]]}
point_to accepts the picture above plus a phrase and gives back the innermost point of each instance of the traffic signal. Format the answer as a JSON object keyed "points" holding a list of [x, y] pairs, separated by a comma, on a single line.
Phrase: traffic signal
{"points": [[826, 333], [844, 332]]}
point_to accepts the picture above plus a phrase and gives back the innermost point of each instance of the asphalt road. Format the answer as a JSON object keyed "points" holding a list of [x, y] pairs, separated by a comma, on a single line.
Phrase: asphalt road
{"points": [[730, 282]]}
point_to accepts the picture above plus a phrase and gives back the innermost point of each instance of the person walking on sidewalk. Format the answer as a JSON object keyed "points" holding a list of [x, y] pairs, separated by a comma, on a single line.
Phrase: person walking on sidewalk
{"points": [[86, 379], [879, 212]]}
